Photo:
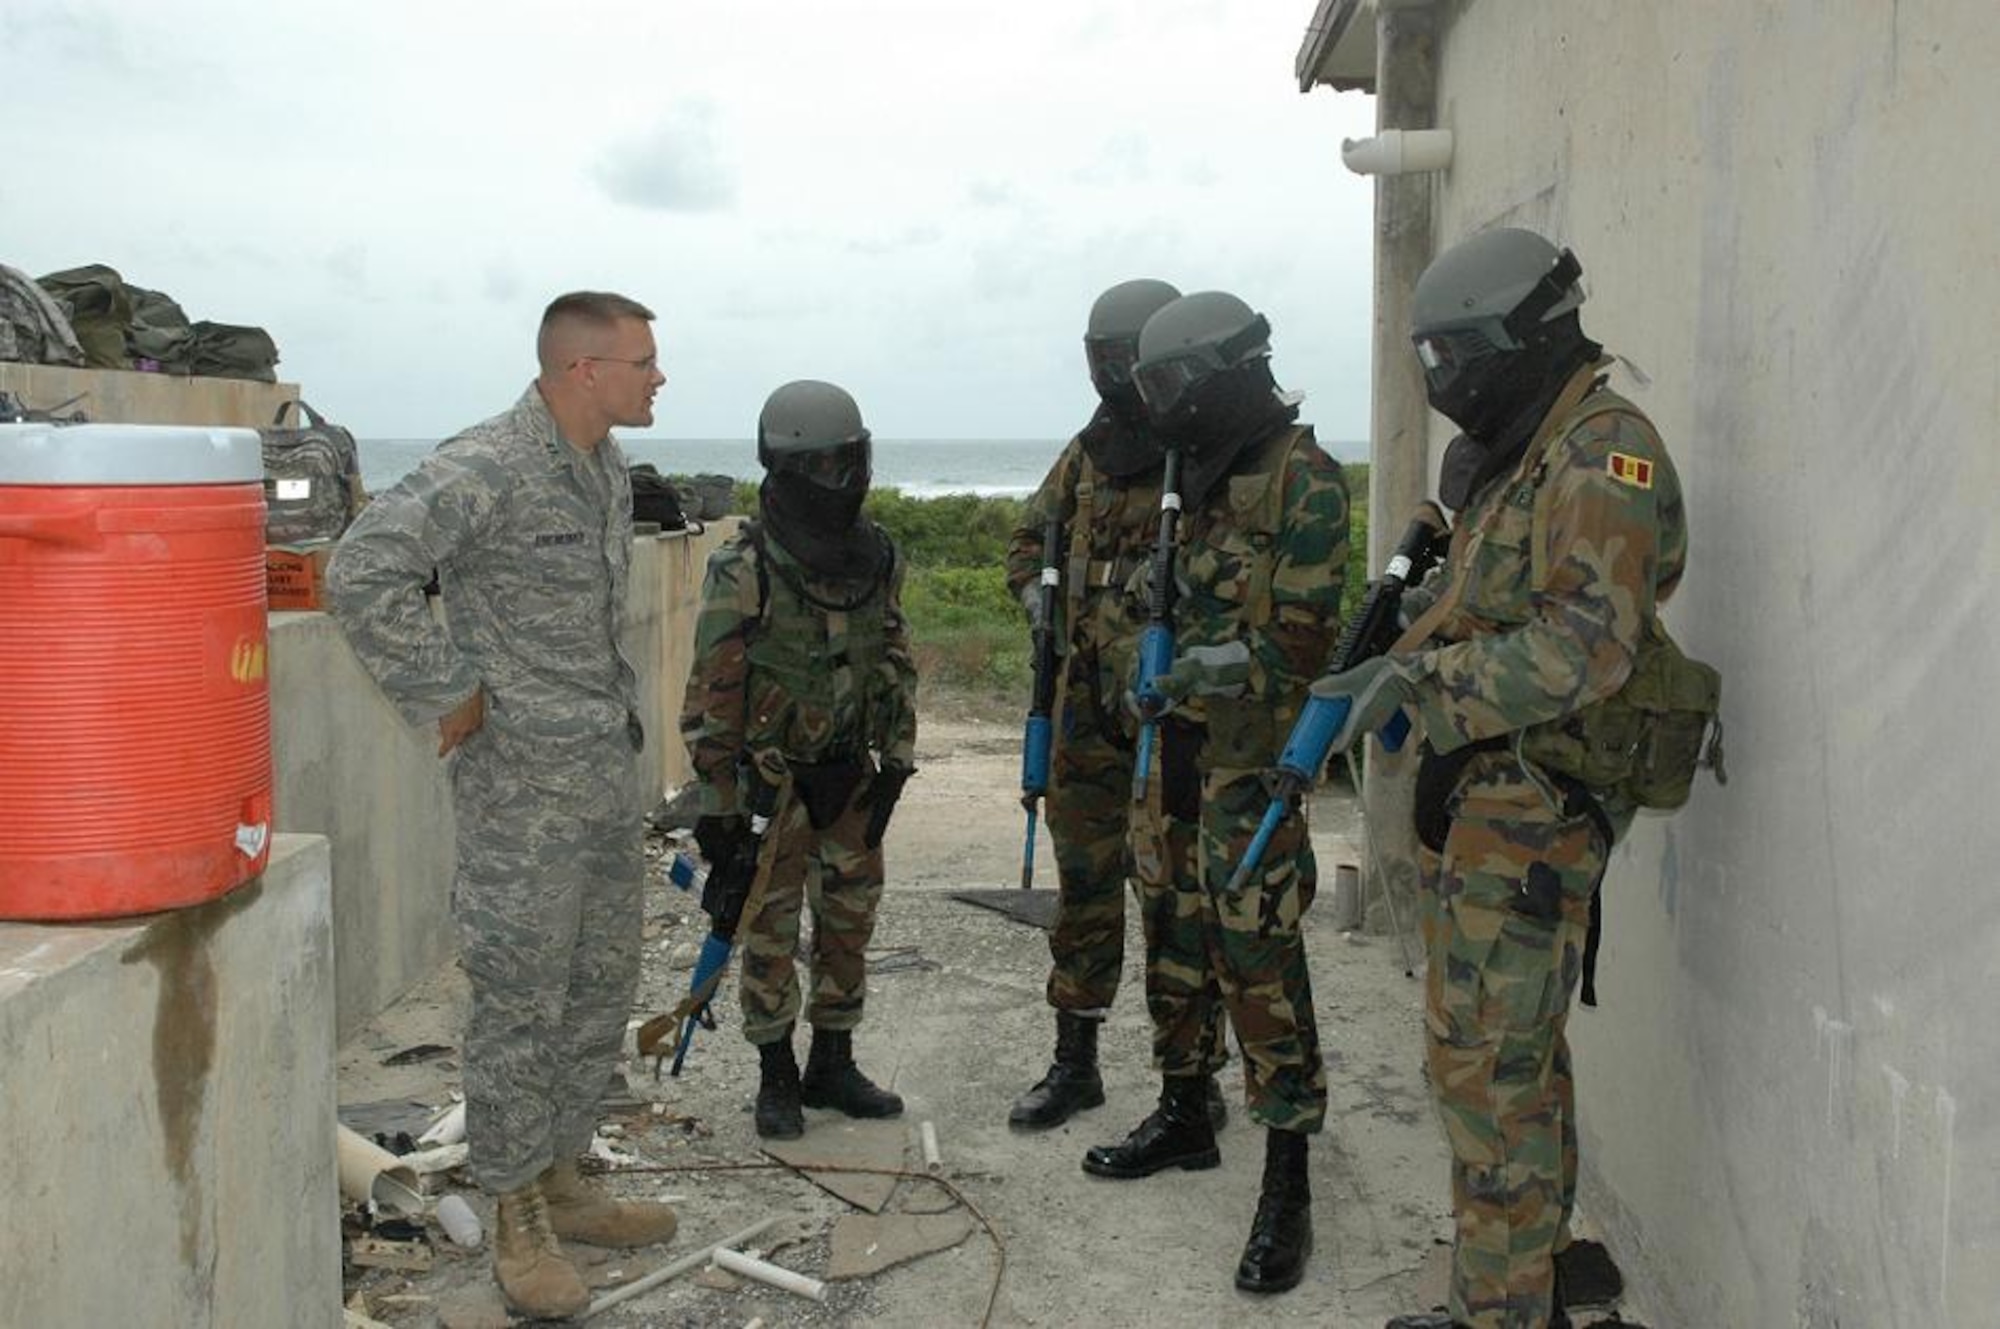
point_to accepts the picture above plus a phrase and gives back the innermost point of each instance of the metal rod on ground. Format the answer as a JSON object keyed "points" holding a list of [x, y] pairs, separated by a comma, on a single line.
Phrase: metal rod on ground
{"points": [[692, 1260], [1381, 875]]}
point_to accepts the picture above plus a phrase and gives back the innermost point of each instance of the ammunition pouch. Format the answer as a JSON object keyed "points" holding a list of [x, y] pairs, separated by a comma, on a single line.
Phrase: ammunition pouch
{"points": [[1643, 744], [827, 787]]}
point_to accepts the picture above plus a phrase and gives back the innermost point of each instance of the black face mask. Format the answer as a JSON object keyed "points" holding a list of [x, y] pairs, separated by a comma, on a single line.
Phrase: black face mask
{"points": [[1216, 421], [1485, 390], [821, 527], [1122, 446]]}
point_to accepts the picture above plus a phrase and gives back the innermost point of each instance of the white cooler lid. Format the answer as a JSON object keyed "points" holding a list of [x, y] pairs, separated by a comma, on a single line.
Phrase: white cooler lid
{"points": [[99, 454]]}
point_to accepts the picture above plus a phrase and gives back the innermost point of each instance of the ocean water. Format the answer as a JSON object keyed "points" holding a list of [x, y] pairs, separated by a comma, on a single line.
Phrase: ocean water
{"points": [[921, 468]]}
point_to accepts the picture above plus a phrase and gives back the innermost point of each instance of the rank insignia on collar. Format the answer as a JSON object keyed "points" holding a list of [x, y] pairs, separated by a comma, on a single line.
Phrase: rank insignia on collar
{"points": [[1627, 469]]}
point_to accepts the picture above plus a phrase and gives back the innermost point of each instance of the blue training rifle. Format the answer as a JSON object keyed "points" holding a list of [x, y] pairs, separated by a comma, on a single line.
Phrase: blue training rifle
{"points": [[1156, 646], [1367, 634]]}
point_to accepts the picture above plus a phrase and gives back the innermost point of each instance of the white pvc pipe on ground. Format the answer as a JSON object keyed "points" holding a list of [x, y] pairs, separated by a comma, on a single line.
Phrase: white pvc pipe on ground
{"points": [[371, 1175], [736, 1262], [692, 1260]]}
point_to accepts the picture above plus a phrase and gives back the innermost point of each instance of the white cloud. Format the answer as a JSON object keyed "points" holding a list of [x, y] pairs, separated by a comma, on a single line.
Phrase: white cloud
{"points": [[924, 198], [675, 166]]}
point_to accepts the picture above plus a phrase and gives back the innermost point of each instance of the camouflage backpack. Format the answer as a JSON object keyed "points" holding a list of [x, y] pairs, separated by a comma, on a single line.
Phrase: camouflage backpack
{"points": [[34, 329], [312, 479]]}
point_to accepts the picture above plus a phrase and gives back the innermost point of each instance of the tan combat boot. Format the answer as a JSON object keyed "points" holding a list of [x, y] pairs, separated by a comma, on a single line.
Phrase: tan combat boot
{"points": [[579, 1211], [534, 1275]]}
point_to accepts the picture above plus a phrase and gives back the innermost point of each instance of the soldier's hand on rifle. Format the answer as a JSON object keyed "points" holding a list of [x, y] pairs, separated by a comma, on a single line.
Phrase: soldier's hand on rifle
{"points": [[719, 835], [1374, 689], [1199, 671], [1416, 601], [880, 798]]}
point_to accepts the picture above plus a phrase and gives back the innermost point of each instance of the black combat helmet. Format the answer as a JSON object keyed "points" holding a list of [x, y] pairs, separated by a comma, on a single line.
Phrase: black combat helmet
{"points": [[1190, 341], [813, 430], [1494, 322], [1111, 340]]}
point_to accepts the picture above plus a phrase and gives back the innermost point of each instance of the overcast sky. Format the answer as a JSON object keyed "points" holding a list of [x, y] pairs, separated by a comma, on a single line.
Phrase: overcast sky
{"points": [[918, 199]]}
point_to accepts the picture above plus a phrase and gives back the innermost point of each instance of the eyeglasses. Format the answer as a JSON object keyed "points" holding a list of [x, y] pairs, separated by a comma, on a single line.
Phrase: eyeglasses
{"points": [[646, 365]]}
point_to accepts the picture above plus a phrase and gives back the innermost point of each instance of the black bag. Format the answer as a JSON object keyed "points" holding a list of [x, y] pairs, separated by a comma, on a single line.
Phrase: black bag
{"points": [[654, 499], [312, 479], [231, 350], [707, 496]]}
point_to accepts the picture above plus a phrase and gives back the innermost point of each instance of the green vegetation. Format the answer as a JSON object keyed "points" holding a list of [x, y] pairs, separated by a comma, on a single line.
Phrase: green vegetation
{"points": [[969, 635]]}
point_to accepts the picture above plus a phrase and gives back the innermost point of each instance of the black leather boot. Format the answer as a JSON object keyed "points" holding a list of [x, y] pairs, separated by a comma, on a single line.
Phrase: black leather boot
{"points": [[778, 1114], [1281, 1236], [1586, 1275], [1072, 1083], [1218, 1106], [1176, 1134], [832, 1080]]}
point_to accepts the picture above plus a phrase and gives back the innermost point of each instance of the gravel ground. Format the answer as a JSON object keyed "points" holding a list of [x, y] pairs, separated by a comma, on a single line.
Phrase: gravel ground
{"points": [[956, 1022]]}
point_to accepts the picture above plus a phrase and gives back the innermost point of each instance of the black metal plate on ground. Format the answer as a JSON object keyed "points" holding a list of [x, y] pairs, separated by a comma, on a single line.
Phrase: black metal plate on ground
{"points": [[1035, 908]]}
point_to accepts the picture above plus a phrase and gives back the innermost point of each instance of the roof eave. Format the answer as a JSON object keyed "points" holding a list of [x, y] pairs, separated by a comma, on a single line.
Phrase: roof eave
{"points": [[1337, 50]]}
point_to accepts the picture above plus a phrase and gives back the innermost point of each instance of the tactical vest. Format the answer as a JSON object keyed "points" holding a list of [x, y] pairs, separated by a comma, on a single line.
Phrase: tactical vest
{"points": [[1641, 746], [1104, 548], [1229, 557], [819, 684]]}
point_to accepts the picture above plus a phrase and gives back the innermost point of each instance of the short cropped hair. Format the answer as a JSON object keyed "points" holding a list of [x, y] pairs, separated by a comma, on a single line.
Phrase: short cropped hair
{"points": [[592, 309]]}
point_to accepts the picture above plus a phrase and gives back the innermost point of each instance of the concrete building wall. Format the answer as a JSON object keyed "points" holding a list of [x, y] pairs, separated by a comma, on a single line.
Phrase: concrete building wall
{"points": [[1786, 214], [167, 1103], [348, 768]]}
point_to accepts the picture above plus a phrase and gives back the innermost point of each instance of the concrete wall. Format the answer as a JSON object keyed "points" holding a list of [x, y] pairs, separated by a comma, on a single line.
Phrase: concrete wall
{"points": [[348, 768], [116, 396], [167, 1102], [1786, 214]]}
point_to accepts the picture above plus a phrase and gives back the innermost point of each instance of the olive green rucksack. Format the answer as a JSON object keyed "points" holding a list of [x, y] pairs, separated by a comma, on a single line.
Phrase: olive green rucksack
{"points": [[1643, 744]]}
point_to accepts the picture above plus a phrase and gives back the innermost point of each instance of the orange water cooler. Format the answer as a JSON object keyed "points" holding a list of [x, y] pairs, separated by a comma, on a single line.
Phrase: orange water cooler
{"points": [[135, 706]]}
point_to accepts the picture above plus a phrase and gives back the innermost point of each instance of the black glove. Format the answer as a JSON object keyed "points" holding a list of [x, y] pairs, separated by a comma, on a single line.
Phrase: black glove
{"points": [[719, 836], [880, 799]]}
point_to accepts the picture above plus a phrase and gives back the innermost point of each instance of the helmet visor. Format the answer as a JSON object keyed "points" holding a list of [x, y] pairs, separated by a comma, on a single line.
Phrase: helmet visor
{"points": [[1446, 356], [842, 468], [1111, 360], [1163, 383]]}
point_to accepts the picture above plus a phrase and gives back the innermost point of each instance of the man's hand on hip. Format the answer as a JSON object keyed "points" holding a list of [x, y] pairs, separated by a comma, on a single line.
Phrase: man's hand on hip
{"points": [[461, 722]]}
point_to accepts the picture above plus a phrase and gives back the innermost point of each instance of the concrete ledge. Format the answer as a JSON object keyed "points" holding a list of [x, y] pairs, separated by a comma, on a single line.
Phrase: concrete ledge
{"points": [[122, 396], [168, 1110]]}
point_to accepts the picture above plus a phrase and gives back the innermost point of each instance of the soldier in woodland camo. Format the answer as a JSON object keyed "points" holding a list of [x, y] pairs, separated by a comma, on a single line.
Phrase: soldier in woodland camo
{"points": [[1105, 489], [1570, 533], [1262, 555], [527, 519], [803, 676]]}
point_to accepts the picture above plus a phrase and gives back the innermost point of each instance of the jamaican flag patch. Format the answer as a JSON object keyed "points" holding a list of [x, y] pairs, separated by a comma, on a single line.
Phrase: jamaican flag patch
{"points": [[1630, 470]]}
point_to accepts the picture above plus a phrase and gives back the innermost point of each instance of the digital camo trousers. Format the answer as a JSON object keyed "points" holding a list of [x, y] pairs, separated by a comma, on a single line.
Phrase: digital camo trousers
{"points": [[840, 879], [1089, 806], [1208, 950], [547, 903], [1506, 910]]}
